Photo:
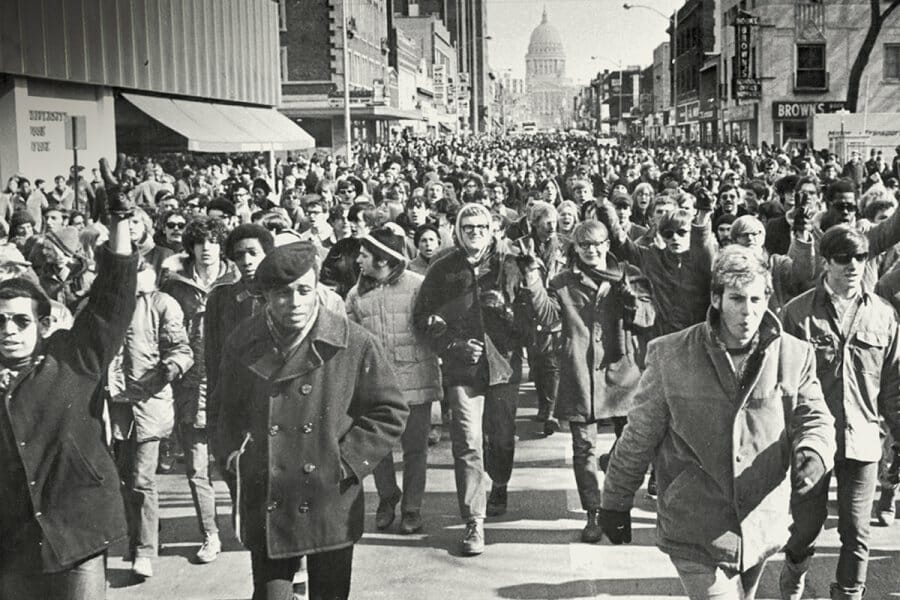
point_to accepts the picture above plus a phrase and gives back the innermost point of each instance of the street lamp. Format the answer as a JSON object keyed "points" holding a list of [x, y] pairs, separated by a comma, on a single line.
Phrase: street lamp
{"points": [[628, 6], [621, 80]]}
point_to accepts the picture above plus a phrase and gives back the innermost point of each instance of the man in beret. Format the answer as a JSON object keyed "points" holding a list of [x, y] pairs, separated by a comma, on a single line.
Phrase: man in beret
{"points": [[308, 406]]}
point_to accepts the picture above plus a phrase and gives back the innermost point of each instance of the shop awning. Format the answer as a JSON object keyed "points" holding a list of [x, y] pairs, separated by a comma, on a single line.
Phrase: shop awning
{"points": [[218, 127]]}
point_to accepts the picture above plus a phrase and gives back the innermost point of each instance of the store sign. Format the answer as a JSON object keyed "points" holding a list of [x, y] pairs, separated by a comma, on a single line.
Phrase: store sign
{"points": [[742, 38], [688, 113], [743, 112], [749, 88], [440, 83], [803, 110]]}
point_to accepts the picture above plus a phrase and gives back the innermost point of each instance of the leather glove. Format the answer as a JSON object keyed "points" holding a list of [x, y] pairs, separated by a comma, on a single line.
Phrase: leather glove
{"points": [[800, 222], [808, 470], [616, 525], [705, 200], [469, 351], [119, 202], [435, 326], [170, 371], [525, 258]]}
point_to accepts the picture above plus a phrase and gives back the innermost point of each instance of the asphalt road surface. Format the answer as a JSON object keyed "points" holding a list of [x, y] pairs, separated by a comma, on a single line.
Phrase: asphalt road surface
{"points": [[533, 552]]}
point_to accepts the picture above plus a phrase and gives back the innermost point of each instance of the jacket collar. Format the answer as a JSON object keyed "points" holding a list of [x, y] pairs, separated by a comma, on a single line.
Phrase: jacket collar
{"points": [[821, 297], [330, 332], [179, 267], [769, 330]]}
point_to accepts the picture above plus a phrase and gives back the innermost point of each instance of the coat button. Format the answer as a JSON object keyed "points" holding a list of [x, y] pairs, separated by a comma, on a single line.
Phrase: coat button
{"points": [[273, 430], [32, 483], [303, 508], [38, 514], [271, 506], [22, 444], [309, 468], [305, 389], [307, 428]]}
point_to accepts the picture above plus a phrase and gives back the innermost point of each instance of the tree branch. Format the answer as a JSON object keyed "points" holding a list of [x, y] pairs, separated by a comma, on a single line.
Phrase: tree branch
{"points": [[887, 12]]}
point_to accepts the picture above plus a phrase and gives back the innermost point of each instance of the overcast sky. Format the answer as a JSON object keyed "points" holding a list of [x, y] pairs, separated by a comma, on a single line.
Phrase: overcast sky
{"points": [[588, 28]]}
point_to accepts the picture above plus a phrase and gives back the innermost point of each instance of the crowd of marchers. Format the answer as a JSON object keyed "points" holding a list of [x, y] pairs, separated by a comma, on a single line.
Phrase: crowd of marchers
{"points": [[729, 311]]}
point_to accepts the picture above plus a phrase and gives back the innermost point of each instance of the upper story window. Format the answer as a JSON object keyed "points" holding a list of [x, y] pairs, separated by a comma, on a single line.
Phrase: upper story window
{"points": [[892, 61], [811, 68]]}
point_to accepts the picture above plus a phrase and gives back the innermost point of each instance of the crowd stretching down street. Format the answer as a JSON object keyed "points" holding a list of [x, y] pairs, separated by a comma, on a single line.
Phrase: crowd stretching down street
{"points": [[729, 311]]}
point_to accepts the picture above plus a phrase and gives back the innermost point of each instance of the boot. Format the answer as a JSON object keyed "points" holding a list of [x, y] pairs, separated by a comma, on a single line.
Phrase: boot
{"points": [[592, 533], [384, 514], [885, 506], [839, 593], [793, 578]]}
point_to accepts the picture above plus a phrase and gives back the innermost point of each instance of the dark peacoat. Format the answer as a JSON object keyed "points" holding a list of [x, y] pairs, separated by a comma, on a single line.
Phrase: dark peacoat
{"points": [[319, 422], [69, 478]]}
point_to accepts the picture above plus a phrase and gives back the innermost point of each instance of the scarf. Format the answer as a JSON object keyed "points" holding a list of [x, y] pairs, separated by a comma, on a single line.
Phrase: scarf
{"points": [[613, 276], [10, 369], [288, 340]]}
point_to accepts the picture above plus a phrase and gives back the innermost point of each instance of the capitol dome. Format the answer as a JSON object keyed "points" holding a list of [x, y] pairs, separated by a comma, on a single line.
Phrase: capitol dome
{"points": [[545, 39]]}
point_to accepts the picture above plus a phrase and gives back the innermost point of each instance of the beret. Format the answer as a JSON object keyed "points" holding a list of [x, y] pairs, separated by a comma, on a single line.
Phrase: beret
{"points": [[284, 265]]}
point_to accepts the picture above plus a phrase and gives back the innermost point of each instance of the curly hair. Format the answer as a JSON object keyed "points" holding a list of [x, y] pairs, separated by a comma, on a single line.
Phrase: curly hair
{"points": [[201, 229]]}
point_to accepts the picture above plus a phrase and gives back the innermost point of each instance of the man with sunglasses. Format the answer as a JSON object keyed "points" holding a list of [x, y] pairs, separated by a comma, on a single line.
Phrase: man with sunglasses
{"points": [[855, 336], [60, 501]]}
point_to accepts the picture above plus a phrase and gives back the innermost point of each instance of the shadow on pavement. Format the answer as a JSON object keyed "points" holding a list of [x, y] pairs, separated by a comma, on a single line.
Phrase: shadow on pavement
{"points": [[590, 588]]}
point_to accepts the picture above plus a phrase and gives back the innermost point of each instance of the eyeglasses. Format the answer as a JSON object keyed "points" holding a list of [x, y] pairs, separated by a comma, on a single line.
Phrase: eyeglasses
{"points": [[470, 229], [844, 259], [670, 233], [242, 193], [21, 321], [592, 245], [174, 225], [845, 206]]}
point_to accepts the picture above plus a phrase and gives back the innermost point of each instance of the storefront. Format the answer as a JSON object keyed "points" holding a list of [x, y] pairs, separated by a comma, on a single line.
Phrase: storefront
{"points": [[709, 129], [739, 124], [792, 121], [688, 121]]}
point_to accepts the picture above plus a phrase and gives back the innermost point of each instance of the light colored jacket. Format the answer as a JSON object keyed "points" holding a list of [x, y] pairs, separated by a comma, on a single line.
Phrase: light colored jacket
{"points": [[722, 450], [386, 311]]}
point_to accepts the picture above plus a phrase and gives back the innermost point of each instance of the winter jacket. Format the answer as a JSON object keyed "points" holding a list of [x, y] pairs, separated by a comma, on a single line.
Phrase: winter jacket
{"points": [[179, 282], [722, 447], [155, 337], [475, 305], [318, 421], [604, 331], [681, 282], [57, 459], [386, 311], [859, 368]]}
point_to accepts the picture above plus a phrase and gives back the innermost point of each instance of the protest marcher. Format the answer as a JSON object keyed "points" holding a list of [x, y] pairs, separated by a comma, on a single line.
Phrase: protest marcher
{"points": [[285, 392], [731, 443]]}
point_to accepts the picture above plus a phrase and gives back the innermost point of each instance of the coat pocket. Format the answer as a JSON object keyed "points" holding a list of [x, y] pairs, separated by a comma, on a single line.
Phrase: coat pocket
{"points": [[867, 348]]}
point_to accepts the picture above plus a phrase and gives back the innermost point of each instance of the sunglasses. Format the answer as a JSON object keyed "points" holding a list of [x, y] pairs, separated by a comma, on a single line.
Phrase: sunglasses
{"points": [[845, 206], [670, 233], [174, 225], [844, 259], [21, 321]]}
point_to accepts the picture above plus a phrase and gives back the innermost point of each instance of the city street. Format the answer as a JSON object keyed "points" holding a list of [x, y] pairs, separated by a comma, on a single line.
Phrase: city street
{"points": [[533, 552]]}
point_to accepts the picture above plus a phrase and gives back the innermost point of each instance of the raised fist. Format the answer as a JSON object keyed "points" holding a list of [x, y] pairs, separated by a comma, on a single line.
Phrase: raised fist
{"points": [[118, 200]]}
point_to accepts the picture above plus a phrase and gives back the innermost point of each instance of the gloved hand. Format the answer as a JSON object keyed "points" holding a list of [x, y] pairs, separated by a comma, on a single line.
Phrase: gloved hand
{"points": [[525, 257], [119, 202], [800, 223], [616, 525], [469, 351], [808, 469], [435, 326], [705, 200]]}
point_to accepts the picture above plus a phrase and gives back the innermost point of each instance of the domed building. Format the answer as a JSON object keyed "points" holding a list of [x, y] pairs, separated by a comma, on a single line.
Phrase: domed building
{"points": [[550, 93]]}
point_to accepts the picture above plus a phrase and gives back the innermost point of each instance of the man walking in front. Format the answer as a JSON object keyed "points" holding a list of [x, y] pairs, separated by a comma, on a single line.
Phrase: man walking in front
{"points": [[730, 443], [308, 406]]}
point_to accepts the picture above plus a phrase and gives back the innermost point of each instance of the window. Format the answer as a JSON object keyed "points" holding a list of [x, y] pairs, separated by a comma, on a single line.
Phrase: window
{"points": [[285, 76], [811, 72], [892, 61]]}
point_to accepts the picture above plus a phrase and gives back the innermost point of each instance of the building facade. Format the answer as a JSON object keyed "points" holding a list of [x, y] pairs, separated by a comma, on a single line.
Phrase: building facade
{"points": [[163, 72], [692, 39], [659, 127], [550, 92]]}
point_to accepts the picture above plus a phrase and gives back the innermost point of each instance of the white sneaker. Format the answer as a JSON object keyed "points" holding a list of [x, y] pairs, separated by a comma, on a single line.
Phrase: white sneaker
{"points": [[142, 567], [210, 549]]}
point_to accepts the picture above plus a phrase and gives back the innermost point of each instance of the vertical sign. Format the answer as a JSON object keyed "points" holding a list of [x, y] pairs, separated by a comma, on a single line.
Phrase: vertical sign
{"points": [[76, 133], [440, 83], [742, 49], [746, 86]]}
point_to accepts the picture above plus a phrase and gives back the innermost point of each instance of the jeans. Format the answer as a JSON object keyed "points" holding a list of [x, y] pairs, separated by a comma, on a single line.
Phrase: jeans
{"points": [[137, 468], [584, 462], [856, 490], [328, 572], [706, 582], [545, 373], [84, 581], [414, 442], [483, 438], [196, 467]]}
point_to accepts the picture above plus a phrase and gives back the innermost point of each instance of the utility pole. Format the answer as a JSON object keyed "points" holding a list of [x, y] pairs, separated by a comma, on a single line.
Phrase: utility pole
{"points": [[348, 133]]}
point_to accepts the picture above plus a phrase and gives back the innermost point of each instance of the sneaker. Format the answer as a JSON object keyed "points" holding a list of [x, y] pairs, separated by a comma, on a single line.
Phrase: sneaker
{"points": [[434, 436], [142, 567], [210, 549], [551, 426], [384, 514], [793, 578], [592, 532], [840, 593], [496, 504], [473, 539], [885, 507], [410, 522]]}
